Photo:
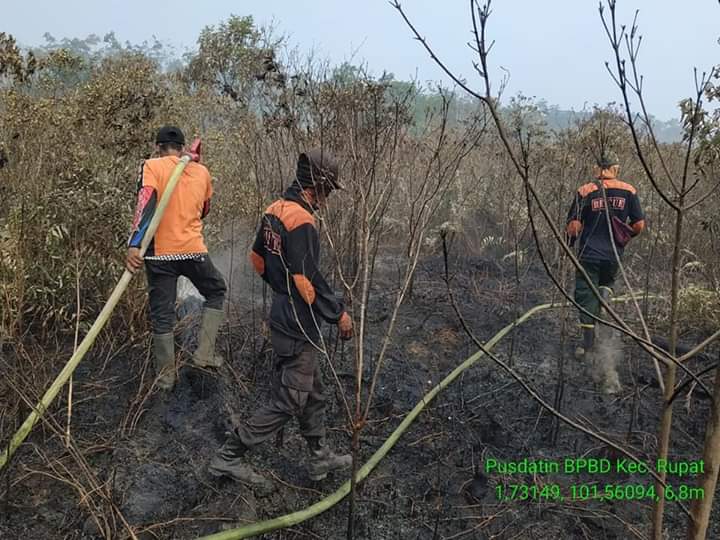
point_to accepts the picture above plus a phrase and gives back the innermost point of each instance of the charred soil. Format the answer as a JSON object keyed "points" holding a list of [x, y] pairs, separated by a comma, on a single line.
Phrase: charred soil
{"points": [[145, 452]]}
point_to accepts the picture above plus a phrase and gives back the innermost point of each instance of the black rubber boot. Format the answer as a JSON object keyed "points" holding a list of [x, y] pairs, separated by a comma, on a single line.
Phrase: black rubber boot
{"points": [[588, 340]]}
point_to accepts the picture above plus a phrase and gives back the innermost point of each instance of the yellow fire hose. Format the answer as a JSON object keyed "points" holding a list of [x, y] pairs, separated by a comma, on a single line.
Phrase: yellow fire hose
{"points": [[288, 520], [263, 527], [98, 325]]}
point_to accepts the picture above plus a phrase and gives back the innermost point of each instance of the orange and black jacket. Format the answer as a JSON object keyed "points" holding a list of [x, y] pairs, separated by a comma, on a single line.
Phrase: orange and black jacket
{"points": [[286, 255], [588, 220]]}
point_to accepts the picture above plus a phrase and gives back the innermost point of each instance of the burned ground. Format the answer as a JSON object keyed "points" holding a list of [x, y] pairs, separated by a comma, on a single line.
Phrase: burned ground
{"points": [[149, 451]]}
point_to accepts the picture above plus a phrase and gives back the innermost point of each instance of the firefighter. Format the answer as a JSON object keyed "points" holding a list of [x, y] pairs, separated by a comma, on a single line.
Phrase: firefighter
{"points": [[601, 245], [177, 249], [286, 255]]}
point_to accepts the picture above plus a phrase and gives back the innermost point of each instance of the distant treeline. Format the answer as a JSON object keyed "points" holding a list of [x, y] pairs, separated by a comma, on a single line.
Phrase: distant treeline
{"points": [[427, 98]]}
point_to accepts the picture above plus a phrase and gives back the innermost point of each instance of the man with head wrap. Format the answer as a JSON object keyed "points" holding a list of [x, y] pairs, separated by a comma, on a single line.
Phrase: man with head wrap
{"points": [[286, 255]]}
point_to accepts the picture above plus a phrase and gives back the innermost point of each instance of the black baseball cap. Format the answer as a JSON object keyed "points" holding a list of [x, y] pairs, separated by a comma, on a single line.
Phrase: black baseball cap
{"points": [[170, 134]]}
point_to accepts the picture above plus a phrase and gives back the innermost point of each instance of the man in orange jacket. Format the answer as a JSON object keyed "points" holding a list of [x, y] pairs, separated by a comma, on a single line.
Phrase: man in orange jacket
{"points": [[286, 255], [177, 249]]}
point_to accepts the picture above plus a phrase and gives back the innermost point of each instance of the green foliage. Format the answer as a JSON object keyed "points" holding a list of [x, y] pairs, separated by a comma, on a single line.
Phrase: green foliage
{"points": [[14, 65], [68, 187], [230, 58], [77, 116], [708, 123]]}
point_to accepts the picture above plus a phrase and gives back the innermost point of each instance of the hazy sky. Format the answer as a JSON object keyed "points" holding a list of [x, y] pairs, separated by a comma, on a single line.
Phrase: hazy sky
{"points": [[553, 49]]}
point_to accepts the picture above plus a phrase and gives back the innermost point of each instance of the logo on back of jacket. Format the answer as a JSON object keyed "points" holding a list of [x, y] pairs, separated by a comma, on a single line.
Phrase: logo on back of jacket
{"points": [[273, 242], [616, 203]]}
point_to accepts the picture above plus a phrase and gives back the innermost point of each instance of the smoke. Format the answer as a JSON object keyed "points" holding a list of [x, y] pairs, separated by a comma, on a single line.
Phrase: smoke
{"points": [[186, 290], [608, 351], [232, 262]]}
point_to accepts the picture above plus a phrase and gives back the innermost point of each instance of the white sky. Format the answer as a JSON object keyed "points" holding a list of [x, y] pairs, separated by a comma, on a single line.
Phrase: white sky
{"points": [[554, 49]]}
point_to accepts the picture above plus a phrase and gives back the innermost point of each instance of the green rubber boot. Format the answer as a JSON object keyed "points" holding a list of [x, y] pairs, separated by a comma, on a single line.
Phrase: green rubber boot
{"points": [[164, 358], [205, 355]]}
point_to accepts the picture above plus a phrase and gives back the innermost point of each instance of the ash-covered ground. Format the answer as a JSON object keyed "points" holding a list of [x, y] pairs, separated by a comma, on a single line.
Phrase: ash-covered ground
{"points": [[145, 453]]}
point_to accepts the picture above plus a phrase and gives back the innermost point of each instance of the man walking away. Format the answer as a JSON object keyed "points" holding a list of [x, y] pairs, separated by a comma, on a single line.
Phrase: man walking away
{"points": [[286, 255], [177, 249], [587, 219]]}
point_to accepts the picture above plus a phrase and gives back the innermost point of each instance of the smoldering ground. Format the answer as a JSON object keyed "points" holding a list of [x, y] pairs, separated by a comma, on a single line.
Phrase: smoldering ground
{"points": [[608, 353], [154, 463]]}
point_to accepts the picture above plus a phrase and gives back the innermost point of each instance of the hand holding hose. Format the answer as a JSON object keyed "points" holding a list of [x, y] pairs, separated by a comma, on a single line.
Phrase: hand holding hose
{"points": [[134, 260]]}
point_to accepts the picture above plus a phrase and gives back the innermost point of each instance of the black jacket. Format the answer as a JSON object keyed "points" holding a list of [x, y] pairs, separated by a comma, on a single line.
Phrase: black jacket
{"points": [[286, 254], [588, 219]]}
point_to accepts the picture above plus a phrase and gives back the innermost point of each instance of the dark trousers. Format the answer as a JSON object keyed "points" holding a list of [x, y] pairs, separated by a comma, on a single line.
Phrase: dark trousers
{"points": [[602, 274], [162, 279], [297, 390]]}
